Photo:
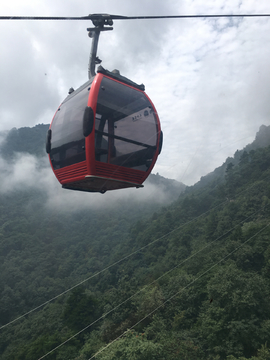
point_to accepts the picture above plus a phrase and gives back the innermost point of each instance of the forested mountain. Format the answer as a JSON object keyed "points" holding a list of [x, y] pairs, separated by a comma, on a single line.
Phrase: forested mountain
{"points": [[186, 280], [26, 140], [262, 139]]}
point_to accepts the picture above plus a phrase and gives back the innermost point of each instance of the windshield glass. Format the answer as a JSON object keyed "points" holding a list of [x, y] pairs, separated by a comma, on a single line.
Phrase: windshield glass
{"points": [[126, 126], [68, 142]]}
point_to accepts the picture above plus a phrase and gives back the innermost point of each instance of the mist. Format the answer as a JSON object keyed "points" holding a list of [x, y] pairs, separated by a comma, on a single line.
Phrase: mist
{"points": [[26, 172]]}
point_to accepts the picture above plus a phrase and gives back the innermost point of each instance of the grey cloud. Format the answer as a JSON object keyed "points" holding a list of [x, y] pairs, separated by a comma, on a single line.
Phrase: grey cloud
{"points": [[209, 79]]}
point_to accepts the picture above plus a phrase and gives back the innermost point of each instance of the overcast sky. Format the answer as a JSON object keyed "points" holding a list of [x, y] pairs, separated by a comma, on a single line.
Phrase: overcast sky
{"points": [[208, 78]]}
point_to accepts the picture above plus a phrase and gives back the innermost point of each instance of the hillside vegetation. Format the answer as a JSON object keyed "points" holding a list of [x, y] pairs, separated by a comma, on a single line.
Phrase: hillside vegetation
{"points": [[188, 280]]}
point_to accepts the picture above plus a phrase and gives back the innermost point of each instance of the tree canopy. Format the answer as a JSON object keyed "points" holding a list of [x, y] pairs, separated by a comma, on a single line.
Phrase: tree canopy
{"points": [[187, 280]]}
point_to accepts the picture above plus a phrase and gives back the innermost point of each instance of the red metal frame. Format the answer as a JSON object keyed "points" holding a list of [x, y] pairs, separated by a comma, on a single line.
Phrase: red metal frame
{"points": [[93, 175]]}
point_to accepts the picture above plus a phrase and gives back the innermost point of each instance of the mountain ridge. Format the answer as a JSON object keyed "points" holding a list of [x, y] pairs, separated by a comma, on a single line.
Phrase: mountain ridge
{"points": [[262, 139], [193, 275]]}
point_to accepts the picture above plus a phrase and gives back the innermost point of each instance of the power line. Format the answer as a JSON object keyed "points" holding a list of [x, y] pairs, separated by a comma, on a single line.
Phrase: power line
{"points": [[109, 266], [119, 261], [146, 286], [177, 293], [120, 17], [127, 256]]}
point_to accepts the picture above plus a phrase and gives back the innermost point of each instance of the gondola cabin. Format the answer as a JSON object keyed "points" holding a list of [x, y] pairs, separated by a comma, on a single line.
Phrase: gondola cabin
{"points": [[104, 136]]}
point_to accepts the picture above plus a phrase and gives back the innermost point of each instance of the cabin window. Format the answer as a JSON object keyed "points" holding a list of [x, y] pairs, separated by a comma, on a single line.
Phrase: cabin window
{"points": [[68, 142], [125, 126]]}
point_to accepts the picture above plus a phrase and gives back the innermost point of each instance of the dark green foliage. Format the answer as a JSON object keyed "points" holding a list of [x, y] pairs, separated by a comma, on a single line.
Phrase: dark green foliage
{"points": [[263, 354], [28, 140], [80, 310], [195, 287], [234, 321]]}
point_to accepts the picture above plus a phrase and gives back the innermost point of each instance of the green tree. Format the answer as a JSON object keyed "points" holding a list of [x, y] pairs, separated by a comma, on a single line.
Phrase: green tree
{"points": [[80, 310], [234, 321]]}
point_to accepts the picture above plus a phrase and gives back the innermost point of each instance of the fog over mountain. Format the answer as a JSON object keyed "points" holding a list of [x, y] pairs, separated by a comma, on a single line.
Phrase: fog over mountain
{"points": [[25, 165]]}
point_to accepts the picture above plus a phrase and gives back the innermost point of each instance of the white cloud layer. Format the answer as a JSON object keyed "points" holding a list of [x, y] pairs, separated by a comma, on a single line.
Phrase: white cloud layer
{"points": [[26, 172], [209, 78]]}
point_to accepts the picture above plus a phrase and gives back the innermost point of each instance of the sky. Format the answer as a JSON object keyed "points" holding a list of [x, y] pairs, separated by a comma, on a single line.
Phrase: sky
{"points": [[208, 78]]}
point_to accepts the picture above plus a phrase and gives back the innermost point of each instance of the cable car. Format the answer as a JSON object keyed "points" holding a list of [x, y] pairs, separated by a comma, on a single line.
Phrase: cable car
{"points": [[106, 135]]}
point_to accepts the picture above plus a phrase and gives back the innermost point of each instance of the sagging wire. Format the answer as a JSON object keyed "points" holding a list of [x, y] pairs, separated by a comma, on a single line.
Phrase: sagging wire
{"points": [[177, 293], [154, 281]]}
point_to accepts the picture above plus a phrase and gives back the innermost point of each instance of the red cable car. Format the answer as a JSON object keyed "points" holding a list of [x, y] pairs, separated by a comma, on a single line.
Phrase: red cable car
{"points": [[105, 135]]}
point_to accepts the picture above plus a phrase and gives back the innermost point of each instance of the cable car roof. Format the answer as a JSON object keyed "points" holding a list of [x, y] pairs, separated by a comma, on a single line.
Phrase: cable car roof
{"points": [[115, 74]]}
